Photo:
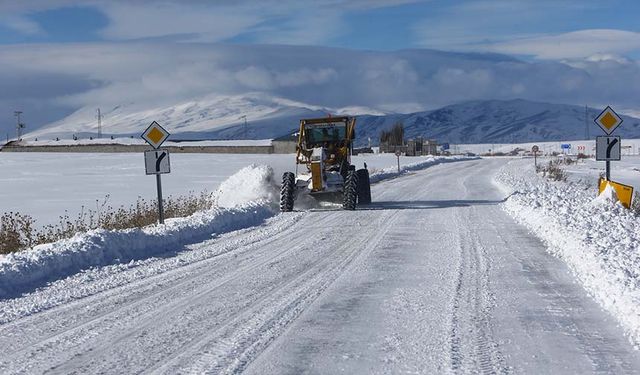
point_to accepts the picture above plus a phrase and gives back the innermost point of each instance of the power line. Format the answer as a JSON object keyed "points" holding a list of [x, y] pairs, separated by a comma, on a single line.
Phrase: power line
{"points": [[19, 124], [245, 124], [99, 124]]}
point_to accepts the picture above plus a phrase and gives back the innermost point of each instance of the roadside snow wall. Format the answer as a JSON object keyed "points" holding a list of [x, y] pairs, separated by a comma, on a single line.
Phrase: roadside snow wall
{"points": [[597, 237], [246, 199]]}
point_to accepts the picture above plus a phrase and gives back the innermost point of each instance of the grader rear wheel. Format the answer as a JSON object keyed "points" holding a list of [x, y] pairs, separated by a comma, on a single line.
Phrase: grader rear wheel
{"points": [[364, 187]]}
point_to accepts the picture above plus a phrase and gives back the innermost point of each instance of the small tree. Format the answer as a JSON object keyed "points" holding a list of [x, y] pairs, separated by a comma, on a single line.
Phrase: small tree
{"points": [[394, 136]]}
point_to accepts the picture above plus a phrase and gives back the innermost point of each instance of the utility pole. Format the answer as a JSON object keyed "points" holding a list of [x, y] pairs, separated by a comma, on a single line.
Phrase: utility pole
{"points": [[245, 124], [99, 124], [19, 124]]}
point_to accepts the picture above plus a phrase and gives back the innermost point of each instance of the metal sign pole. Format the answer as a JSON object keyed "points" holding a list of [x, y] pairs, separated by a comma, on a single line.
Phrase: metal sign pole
{"points": [[157, 161], [608, 170], [535, 159], [160, 207]]}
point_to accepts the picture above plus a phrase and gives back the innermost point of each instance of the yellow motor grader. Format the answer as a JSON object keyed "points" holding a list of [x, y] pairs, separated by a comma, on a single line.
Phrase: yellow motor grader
{"points": [[324, 148]]}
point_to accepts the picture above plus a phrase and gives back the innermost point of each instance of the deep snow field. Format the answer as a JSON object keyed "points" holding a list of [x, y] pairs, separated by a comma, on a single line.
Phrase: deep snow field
{"points": [[626, 171], [45, 185], [629, 147]]}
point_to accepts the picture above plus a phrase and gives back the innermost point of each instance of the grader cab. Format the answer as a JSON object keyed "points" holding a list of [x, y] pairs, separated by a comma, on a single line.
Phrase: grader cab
{"points": [[324, 152]]}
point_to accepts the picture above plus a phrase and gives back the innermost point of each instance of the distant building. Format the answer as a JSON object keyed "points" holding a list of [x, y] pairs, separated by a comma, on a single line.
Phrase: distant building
{"points": [[421, 146], [285, 144], [386, 147]]}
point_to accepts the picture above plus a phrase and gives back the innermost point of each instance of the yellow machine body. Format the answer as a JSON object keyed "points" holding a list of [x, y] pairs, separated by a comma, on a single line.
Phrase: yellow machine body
{"points": [[316, 176], [334, 135]]}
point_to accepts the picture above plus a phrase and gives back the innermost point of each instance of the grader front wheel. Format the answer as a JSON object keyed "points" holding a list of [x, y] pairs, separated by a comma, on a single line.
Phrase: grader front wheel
{"points": [[287, 192], [350, 191]]}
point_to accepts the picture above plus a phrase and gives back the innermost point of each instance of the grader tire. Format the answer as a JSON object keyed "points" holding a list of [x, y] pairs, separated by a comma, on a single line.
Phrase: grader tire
{"points": [[364, 187], [350, 191], [287, 192]]}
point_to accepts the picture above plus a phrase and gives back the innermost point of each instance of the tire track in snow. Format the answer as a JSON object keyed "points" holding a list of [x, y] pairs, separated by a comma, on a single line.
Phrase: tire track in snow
{"points": [[245, 238], [246, 344], [471, 343], [165, 328], [127, 315], [594, 345]]}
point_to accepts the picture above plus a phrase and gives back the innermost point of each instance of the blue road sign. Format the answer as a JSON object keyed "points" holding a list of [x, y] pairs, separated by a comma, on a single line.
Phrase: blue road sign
{"points": [[566, 146]]}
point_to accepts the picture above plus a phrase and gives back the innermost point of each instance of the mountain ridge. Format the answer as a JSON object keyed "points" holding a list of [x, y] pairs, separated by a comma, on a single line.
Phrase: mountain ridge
{"points": [[222, 117]]}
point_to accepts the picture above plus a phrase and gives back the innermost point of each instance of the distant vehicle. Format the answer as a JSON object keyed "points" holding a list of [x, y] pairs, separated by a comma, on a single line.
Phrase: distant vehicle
{"points": [[362, 150]]}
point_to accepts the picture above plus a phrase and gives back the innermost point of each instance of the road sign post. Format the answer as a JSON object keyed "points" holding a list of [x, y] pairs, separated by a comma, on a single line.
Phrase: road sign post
{"points": [[535, 150], [398, 153], [160, 206], [608, 120], [157, 161], [608, 149]]}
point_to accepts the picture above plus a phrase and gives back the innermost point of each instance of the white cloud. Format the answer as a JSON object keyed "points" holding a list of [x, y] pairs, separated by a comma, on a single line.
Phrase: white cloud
{"points": [[523, 27], [272, 21], [21, 24], [152, 75], [197, 22], [573, 45]]}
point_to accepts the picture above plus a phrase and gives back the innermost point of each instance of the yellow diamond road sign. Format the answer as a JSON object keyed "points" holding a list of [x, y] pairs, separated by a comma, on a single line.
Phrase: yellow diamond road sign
{"points": [[608, 120], [155, 135]]}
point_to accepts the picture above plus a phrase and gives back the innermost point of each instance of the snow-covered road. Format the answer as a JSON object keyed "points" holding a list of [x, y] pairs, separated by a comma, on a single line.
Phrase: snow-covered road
{"points": [[433, 277]]}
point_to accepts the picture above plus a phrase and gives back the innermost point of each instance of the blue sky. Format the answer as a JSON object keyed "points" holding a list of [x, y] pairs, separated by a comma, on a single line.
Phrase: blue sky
{"points": [[59, 56], [485, 25]]}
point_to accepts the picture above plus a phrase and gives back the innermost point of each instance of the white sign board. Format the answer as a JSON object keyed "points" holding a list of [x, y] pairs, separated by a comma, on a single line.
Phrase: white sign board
{"points": [[607, 148], [157, 161], [155, 135], [608, 120]]}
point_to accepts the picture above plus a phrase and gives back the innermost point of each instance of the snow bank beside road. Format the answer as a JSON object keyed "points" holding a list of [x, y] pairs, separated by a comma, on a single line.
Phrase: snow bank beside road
{"points": [[598, 238], [28, 269], [245, 199]]}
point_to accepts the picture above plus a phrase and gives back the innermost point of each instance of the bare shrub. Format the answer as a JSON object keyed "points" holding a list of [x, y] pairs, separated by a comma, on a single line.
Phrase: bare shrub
{"points": [[17, 231], [553, 171]]}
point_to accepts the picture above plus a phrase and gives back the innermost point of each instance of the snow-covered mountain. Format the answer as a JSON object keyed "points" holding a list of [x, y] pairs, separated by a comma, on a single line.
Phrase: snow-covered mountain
{"points": [[500, 121], [222, 117], [213, 117]]}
